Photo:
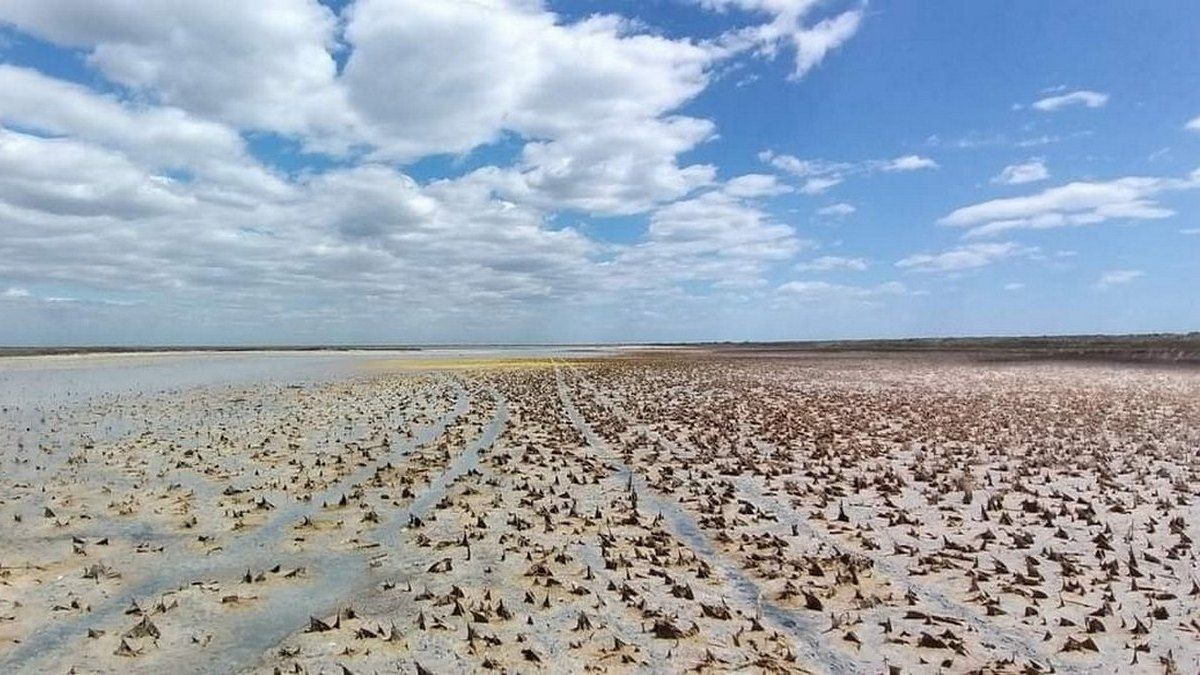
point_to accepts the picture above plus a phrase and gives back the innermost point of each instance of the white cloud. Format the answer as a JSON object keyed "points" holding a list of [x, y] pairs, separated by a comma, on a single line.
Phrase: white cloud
{"points": [[813, 44], [819, 185], [787, 27], [506, 66], [593, 98], [147, 177], [973, 140], [347, 238], [65, 177], [970, 256], [263, 65], [1014, 286], [829, 263], [712, 237], [1190, 230], [1193, 124], [839, 210], [804, 168], [607, 169], [823, 291], [1019, 174], [755, 185], [819, 175], [160, 138], [719, 223], [22, 296], [1082, 97], [502, 66], [1117, 278], [908, 163], [1079, 203]]}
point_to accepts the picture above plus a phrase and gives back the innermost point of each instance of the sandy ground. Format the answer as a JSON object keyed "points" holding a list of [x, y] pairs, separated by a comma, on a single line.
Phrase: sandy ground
{"points": [[658, 513]]}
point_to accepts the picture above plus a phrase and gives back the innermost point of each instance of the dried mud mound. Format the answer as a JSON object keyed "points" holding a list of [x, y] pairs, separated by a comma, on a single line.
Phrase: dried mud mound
{"points": [[776, 514]]}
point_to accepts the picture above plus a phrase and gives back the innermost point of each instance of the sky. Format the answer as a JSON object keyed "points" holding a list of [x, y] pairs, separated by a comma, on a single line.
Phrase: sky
{"points": [[551, 171]]}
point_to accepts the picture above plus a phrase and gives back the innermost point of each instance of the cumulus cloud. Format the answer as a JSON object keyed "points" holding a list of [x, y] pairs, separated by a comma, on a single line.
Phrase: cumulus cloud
{"points": [[715, 236], [502, 66], [145, 185], [62, 176], [830, 263], [1118, 278], [506, 66], [263, 65], [1018, 174], [971, 256], [361, 235], [1079, 203], [1083, 97], [159, 138], [359, 238], [610, 169], [1193, 124]]}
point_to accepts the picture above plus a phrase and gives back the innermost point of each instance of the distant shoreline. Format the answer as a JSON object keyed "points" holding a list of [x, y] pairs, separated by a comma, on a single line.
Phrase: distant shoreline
{"points": [[1154, 347], [100, 350], [1159, 348]]}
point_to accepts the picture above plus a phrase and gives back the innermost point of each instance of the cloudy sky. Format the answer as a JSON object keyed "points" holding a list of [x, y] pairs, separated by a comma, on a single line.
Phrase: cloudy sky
{"points": [[295, 171]]}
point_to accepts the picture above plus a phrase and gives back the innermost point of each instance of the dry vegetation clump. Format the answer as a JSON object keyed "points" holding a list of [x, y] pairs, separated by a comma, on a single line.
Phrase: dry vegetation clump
{"points": [[639, 514]]}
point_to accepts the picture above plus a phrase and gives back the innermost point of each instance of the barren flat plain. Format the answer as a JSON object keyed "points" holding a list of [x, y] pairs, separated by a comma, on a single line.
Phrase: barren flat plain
{"points": [[701, 509]]}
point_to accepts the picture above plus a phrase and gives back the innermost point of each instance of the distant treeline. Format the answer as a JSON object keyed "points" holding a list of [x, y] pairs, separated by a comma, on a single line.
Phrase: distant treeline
{"points": [[1157, 347]]}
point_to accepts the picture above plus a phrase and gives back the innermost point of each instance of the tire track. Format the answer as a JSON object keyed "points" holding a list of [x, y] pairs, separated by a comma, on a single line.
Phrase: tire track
{"points": [[245, 552], [1007, 641], [682, 525]]}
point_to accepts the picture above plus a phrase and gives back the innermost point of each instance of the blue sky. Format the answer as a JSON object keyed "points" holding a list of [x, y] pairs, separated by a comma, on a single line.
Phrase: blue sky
{"points": [[518, 171]]}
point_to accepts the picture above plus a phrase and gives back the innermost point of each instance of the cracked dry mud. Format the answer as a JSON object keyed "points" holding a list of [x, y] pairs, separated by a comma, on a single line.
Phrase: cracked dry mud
{"points": [[661, 511]]}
